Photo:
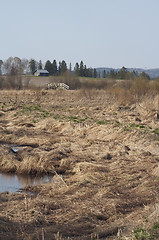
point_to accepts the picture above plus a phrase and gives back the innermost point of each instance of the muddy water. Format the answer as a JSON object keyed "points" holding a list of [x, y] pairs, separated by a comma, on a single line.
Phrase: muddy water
{"points": [[13, 182]]}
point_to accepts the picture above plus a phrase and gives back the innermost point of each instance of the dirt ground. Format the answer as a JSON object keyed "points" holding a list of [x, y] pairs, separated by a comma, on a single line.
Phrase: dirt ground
{"points": [[104, 156]]}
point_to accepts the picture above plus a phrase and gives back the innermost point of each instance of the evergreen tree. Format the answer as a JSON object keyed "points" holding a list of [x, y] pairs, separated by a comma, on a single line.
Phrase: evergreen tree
{"points": [[54, 68], [48, 67], [81, 69], [144, 75], [85, 71], [76, 69], [112, 74], [32, 66], [40, 66], [63, 67], [122, 74], [90, 72], [134, 74]]}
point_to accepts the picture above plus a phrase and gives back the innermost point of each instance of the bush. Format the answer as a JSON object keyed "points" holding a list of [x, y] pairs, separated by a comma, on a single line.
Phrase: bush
{"points": [[1, 82], [140, 87], [71, 80], [95, 84], [13, 82], [154, 85]]}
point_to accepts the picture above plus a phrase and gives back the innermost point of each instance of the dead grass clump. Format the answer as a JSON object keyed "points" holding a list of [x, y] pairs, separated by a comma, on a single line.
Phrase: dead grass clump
{"points": [[32, 165], [88, 93], [66, 164], [38, 94], [154, 85], [85, 173], [8, 163], [129, 92], [124, 84], [95, 84], [140, 87], [122, 96], [148, 105]]}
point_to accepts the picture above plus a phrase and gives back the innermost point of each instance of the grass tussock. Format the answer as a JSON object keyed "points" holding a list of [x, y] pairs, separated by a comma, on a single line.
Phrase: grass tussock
{"points": [[97, 84], [134, 91]]}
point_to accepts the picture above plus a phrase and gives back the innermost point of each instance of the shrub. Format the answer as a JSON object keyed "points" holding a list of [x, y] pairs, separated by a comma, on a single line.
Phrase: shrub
{"points": [[71, 80], [95, 84], [139, 87], [13, 82], [154, 86], [1, 82]]}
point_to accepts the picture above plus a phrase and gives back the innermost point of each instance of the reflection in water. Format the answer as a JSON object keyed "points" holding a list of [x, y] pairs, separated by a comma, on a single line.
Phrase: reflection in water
{"points": [[13, 182]]}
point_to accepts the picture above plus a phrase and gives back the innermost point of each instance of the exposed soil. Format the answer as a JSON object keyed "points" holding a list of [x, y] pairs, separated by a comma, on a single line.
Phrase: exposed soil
{"points": [[105, 157]]}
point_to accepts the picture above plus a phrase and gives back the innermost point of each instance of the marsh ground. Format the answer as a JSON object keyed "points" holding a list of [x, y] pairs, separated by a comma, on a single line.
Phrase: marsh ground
{"points": [[104, 155]]}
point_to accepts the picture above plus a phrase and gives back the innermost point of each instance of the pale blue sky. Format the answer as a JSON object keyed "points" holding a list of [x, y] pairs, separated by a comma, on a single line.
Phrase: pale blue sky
{"points": [[102, 33]]}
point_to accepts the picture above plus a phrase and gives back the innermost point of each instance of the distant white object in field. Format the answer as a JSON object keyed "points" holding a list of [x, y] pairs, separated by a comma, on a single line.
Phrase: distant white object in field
{"points": [[55, 86]]}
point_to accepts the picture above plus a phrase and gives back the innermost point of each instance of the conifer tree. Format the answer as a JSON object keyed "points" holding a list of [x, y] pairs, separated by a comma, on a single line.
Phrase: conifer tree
{"points": [[122, 73], [63, 67], [54, 68], [32, 66], [90, 72], [81, 70], [48, 67], [76, 69], [112, 74], [144, 75], [85, 71], [40, 66]]}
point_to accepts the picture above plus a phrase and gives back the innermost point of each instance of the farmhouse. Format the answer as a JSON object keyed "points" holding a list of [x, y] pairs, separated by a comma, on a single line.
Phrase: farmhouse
{"points": [[41, 72]]}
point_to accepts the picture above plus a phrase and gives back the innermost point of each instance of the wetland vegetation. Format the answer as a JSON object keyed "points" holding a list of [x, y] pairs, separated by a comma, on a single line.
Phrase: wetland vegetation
{"points": [[100, 145]]}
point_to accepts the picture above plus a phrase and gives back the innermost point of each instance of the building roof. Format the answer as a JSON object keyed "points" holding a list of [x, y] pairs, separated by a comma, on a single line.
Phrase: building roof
{"points": [[42, 71]]}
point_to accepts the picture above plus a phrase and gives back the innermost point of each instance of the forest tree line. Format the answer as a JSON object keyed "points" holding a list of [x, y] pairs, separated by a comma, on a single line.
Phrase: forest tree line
{"points": [[17, 66]]}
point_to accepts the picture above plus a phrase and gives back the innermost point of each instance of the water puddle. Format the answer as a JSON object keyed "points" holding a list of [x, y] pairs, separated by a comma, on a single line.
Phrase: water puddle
{"points": [[13, 182], [15, 149]]}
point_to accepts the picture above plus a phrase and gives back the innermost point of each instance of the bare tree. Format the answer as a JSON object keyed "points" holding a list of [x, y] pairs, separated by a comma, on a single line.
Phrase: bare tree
{"points": [[13, 69]]}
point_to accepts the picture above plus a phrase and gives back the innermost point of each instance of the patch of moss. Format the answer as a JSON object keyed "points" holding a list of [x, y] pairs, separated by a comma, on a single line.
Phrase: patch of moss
{"points": [[103, 122], [76, 119], [156, 131], [142, 234]]}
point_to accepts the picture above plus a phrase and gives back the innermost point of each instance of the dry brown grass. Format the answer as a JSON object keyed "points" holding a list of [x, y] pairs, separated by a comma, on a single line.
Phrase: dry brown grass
{"points": [[101, 145]]}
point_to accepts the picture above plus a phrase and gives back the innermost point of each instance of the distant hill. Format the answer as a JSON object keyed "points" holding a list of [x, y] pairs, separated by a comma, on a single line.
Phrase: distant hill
{"points": [[153, 73]]}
